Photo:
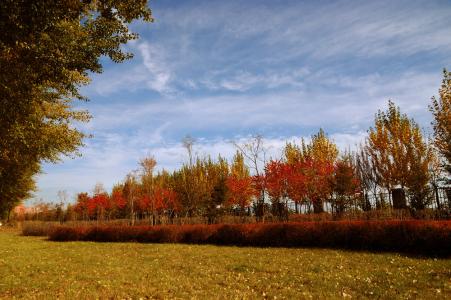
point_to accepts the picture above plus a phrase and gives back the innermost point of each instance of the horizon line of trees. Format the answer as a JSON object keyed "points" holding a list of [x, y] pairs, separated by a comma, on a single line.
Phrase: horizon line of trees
{"points": [[395, 164]]}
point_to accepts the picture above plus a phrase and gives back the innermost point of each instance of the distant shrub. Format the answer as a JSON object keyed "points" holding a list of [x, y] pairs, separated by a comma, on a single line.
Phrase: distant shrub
{"points": [[37, 228], [419, 237]]}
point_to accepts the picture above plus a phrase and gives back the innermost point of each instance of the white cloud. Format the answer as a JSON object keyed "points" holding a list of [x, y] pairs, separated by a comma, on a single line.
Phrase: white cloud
{"points": [[341, 102], [224, 71], [149, 70], [320, 31], [242, 81], [159, 75], [225, 46]]}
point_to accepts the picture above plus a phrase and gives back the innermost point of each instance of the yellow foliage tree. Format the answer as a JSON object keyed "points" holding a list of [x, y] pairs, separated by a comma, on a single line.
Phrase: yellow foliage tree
{"points": [[441, 111], [399, 154]]}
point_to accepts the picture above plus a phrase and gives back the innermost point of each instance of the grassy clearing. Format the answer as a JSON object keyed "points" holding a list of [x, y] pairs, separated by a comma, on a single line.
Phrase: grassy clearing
{"points": [[32, 267]]}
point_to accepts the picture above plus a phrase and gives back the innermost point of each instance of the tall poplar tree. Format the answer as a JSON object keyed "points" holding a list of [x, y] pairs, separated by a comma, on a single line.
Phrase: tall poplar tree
{"points": [[399, 154], [320, 156], [47, 51], [441, 111]]}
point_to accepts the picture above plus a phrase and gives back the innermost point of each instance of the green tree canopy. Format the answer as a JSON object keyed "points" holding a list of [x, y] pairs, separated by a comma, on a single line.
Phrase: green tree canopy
{"points": [[47, 51]]}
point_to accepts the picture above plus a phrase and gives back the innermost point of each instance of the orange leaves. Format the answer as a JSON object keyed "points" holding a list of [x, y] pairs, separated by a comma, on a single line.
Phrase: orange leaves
{"points": [[93, 206], [165, 199], [277, 179], [240, 184], [316, 176], [240, 191], [118, 199], [82, 203], [301, 180], [144, 203]]}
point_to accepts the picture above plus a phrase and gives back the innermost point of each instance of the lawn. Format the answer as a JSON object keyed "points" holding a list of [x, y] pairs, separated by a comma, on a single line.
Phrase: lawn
{"points": [[31, 267]]}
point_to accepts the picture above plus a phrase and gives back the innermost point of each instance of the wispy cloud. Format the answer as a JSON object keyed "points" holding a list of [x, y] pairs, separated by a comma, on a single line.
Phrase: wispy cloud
{"points": [[223, 70], [159, 74]]}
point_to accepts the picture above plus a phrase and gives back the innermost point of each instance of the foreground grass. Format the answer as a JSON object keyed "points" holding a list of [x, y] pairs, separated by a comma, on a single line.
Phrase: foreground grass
{"points": [[31, 267]]}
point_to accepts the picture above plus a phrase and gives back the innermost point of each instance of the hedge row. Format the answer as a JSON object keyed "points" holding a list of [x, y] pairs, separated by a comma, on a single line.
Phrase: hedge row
{"points": [[38, 228], [417, 237]]}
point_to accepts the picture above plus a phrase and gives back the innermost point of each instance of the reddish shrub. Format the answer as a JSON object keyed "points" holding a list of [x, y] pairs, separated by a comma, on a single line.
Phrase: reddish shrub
{"points": [[420, 237], [194, 234], [63, 234], [228, 235], [38, 228]]}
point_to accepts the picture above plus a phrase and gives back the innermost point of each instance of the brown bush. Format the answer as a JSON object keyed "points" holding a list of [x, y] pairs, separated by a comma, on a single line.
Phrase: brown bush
{"points": [[37, 228], [419, 237]]}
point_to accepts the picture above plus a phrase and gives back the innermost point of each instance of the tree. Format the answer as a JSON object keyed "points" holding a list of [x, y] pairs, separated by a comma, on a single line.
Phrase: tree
{"points": [[399, 154], [81, 207], [119, 202], [16, 184], [345, 183], [99, 206], [319, 157], [188, 142], [62, 197], [366, 174], [296, 189], [49, 48], [148, 165], [240, 184], [254, 152], [130, 192], [218, 173], [277, 175], [436, 176], [441, 111], [167, 200]]}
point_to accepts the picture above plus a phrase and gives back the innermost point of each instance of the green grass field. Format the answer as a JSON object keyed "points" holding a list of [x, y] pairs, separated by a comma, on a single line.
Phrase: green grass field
{"points": [[31, 267]]}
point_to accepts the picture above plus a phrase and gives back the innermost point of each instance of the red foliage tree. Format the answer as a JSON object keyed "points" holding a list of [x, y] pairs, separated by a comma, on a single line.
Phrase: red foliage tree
{"points": [[166, 200], [240, 191], [81, 207], [277, 175], [296, 184], [118, 200], [317, 175], [98, 205], [345, 183], [144, 204]]}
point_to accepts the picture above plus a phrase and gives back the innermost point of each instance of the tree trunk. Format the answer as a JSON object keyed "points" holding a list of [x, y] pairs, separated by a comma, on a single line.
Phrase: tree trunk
{"points": [[399, 198], [448, 195], [437, 197], [318, 206]]}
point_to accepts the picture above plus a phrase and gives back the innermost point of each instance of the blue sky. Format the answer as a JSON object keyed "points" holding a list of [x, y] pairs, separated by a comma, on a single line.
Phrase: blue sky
{"points": [[224, 70]]}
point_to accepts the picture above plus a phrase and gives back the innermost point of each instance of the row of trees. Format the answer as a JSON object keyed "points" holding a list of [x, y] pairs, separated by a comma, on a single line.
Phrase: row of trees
{"points": [[49, 49], [395, 160]]}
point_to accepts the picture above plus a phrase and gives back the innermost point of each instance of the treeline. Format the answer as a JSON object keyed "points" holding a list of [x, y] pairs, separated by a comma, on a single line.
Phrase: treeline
{"points": [[394, 168]]}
